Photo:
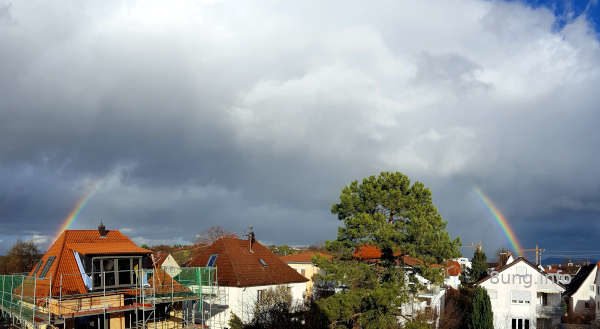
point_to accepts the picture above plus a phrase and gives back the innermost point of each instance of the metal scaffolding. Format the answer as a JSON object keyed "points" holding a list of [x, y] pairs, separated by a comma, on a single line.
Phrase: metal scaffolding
{"points": [[157, 298]]}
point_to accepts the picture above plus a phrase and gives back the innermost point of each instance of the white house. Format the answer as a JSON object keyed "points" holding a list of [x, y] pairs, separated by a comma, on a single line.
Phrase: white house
{"points": [[245, 271], [426, 298], [523, 297], [165, 261], [580, 295]]}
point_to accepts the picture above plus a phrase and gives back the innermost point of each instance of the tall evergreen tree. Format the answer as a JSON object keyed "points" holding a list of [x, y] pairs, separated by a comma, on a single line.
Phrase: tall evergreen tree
{"points": [[391, 213], [481, 316], [478, 266]]}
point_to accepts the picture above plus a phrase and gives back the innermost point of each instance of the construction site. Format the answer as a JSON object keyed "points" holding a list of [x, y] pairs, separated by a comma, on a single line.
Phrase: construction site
{"points": [[189, 299]]}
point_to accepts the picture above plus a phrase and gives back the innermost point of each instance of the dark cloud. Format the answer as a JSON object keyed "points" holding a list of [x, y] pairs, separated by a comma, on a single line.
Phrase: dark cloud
{"points": [[209, 113]]}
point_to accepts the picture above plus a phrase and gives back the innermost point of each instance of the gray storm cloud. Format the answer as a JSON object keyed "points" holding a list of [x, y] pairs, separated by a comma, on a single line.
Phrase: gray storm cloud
{"points": [[200, 113]]}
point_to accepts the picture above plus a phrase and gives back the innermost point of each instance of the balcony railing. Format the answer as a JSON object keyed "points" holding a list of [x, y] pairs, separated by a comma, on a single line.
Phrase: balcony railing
{"points": [[549, 311]]}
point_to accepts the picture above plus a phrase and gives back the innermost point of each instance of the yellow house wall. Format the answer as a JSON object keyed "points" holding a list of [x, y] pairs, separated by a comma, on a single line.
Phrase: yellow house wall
{"points": [[309, 271]]}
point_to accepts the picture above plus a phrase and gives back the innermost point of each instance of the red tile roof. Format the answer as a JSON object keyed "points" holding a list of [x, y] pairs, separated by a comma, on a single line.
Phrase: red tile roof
{"points": [[238, 267], [159, 258], [412, 261], [367, 251], [65, 266], [453, 268], [304, 257]]}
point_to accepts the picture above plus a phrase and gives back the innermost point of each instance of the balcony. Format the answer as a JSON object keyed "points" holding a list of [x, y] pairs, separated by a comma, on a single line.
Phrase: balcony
{"points": [[549, 311]]}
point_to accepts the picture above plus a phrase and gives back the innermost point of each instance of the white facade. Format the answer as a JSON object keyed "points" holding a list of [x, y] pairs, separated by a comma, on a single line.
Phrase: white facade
{"points": [[242, 300], [452, 281], [430, 299], [583, 301], [465, 263], [524, 298], [171, 266]]}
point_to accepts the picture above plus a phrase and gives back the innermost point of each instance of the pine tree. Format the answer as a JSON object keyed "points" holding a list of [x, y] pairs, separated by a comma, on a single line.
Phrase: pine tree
{"points": [[481, 316], [478, 266], [391, 213]]}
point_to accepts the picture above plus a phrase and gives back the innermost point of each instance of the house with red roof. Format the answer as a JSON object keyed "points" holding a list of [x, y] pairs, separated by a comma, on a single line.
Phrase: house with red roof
{"points": [[246, 269], [303, 263], [98, 279]]}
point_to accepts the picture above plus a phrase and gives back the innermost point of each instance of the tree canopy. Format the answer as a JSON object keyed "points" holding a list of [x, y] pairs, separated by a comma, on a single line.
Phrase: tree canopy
{"points": [[21, 258], [478, 266], [391, 213], [480, 316]]}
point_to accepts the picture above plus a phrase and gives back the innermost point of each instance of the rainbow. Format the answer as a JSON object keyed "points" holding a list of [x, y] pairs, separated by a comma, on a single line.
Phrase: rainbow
{"points": [[502, 221], [77, 209]]}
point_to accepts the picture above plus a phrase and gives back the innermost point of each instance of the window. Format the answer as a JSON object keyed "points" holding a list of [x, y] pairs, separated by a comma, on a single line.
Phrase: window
{"points": [[212, 260], [111, 272], [587, 305], [260, 294], [262, 262], [520, 324], [303, 272], [47, 266], [37, 267], [492, 293], [520, 297], [592, 288]]}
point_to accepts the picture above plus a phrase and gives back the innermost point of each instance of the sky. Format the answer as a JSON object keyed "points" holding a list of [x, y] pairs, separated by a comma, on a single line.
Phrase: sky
{"points": [[183, 115]]}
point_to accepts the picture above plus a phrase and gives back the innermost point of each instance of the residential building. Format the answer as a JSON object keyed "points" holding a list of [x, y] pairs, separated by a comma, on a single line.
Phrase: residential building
{"points": [[167, 262], [246, 269], [303, 263], [580, 295], [453, 270], [523, 297], [96, 279]]}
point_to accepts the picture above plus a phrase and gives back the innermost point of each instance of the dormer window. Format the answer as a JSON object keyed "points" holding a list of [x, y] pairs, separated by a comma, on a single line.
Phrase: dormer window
{"points": [[212, 260], [114, 272], [262, 262]]}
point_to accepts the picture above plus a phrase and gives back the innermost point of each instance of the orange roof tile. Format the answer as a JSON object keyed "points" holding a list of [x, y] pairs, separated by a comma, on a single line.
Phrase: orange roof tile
{"points": [[237, 266], [453, 268], [103, 248], [65, 269], [367, 251], [304, 257]]}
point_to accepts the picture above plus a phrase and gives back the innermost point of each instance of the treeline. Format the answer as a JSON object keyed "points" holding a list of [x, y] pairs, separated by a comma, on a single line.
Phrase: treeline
{"points": [[21, 258]]}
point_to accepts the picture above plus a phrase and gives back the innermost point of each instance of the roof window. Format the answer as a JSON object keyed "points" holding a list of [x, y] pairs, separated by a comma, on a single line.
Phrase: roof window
{"points": [[212, 260], [262, 262], [47, 266]]}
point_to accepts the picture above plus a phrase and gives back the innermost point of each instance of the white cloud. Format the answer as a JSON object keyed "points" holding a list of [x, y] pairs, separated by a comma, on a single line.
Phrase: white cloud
{"points": [[189, 112]]}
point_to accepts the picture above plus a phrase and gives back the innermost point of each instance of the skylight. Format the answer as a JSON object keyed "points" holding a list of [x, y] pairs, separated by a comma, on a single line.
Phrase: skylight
{"points": [[212, 260], [37, 267], [262, 261], [47, 266]]}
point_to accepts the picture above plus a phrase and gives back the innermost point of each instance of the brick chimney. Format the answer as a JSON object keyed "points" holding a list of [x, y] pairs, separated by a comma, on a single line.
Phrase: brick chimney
{"points": [[251, 239], [102, 230]]}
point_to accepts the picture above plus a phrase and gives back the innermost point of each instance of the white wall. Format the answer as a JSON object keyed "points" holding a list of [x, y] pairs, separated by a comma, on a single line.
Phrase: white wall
{"points": [[170, 266], [241, 301], [520, 280], [586, 293]]}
